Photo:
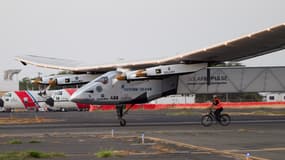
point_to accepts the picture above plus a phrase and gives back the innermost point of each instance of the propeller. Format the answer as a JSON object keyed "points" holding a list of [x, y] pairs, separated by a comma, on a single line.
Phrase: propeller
{"points": [[140, 73], [52, 82], [37, 80], [121, 77]]}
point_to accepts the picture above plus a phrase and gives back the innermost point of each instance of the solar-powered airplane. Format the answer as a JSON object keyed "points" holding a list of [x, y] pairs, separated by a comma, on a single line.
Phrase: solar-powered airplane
{"points": [[141, 82]]}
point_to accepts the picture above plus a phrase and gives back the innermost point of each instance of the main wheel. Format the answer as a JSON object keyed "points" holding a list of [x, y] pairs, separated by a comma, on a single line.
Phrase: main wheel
{"points": [[123, 122], [225, 120], [207, 120]]}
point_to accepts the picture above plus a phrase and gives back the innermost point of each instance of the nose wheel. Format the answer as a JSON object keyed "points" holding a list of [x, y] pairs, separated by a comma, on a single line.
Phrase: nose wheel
{"points": [[120, 113], [123, 122]]}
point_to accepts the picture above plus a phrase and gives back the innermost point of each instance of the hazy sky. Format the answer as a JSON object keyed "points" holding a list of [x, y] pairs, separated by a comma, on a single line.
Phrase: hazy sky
{"points": [[107, 30]]}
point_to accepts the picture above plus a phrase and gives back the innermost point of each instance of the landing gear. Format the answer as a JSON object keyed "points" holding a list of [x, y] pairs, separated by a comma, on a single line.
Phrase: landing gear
{"points": [[123, 122], [120, 113]]}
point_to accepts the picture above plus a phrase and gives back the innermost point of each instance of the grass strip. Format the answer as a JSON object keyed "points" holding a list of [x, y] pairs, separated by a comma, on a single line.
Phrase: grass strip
{"points": [[25, 155], [15, 141], [104, 154], [34, 141]]}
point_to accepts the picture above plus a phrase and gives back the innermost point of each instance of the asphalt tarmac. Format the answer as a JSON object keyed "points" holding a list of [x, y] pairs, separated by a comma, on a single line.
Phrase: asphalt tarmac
{"points": [[169, 134]]}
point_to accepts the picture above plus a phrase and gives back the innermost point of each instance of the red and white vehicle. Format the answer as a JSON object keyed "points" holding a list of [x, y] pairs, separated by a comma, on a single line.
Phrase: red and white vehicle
{"points": [[52, 100], [61, 101]]}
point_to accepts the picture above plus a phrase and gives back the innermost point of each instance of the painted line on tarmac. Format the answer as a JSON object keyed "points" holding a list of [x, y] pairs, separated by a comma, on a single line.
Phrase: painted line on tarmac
{"points": [[258, 150], [205, 149], [82, 125], [259, 121]]}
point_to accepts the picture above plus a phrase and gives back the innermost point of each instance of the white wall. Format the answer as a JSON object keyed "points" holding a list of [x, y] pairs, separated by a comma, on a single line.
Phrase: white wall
{"points": [[175, 99], [275, 97]]}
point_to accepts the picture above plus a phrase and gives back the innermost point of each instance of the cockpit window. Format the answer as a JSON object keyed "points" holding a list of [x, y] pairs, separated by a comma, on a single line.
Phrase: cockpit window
{"points": [[103, 80], [58, 93], [8, 95]]}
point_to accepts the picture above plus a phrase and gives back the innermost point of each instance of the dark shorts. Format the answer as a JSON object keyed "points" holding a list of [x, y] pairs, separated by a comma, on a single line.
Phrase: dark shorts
{"points": [[218, 113]]}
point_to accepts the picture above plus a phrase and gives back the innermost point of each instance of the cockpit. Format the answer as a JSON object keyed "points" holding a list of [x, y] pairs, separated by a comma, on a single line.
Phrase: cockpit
{"points": [[7, 96], [107, 77], [103, 80], [58, 93], [95, 88]]}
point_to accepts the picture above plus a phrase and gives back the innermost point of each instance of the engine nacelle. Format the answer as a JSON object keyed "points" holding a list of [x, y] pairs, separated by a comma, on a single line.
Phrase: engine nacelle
{"points": [[164, 70], [67, 79], [174, 69], [138, 74]]}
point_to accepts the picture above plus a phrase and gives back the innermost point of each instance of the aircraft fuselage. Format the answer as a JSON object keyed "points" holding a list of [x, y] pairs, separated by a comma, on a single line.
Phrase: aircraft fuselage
{"points": [[107, 89]]}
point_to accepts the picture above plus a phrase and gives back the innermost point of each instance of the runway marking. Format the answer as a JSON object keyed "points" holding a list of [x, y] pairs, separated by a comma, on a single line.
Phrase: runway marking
{"points": [[133, 124], [258, 150], [260, 121], [205, 149], [201, 152], [11, 121]]}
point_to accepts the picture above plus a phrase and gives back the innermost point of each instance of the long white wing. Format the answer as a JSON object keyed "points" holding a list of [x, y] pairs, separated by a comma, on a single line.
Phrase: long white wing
{"points": [[248, 46]]}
